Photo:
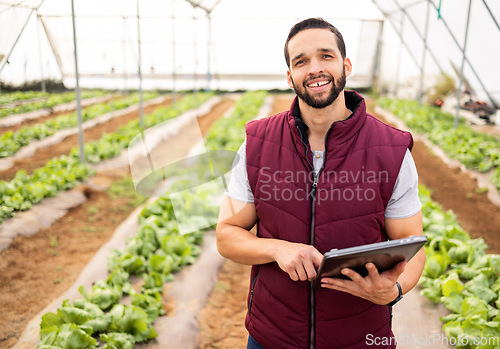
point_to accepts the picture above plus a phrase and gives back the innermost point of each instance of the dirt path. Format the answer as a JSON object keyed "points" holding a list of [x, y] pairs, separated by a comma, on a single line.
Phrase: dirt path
{"points": [[222, 320], [37, 269], [43, 155]]}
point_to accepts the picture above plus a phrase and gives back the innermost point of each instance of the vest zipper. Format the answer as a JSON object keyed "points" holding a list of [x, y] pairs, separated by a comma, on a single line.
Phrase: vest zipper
{"points": [[312, 300], [254, 281]]}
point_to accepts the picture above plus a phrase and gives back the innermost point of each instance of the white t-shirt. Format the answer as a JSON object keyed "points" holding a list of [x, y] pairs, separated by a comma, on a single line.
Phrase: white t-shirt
{"points": [[404, 201]]}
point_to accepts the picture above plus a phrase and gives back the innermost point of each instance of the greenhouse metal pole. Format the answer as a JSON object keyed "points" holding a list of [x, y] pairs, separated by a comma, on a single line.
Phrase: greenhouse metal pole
{"points": [[410, 52], [398, 68], [467, 60], [400, 34], [209, 49], [424, 51], [42, 77], [459, 90], [174, 73], [124, 48], [77, 89], [376, 63], [491, 14], [195, 56], [422, 38], [139, 63]]}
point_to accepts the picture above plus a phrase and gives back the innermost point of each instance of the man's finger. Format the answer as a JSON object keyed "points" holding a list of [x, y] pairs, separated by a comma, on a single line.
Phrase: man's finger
{"points": [[293, 275], [310, 270], [351, 274], [301, 272], [334, 284], [372, 271]]}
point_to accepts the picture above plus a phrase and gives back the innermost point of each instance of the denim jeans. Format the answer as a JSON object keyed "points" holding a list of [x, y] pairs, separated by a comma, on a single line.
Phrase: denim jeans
{"points": [[252, 344]]}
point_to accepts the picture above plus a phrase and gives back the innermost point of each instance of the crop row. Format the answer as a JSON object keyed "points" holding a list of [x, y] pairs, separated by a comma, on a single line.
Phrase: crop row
{"points": [[158, 249], [49, 102], [65, 172], [461, 275], [475, 150], [229, 133], [11, 97], [11, 142]]}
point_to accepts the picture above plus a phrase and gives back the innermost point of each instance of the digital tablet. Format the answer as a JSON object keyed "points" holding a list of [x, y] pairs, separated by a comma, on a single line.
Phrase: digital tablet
{"points": [[385, 255]]}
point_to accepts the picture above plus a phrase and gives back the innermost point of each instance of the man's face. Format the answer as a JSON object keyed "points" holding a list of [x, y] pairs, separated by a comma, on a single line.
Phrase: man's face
{"points": [[317, 70]]}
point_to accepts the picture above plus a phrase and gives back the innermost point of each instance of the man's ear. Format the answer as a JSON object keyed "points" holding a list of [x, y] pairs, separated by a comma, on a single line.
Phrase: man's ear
{"points": [[348, 66], [289, 78]]}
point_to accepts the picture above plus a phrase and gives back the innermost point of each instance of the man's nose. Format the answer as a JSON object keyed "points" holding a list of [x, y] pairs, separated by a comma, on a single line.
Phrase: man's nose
{"points": [[315, 67]]}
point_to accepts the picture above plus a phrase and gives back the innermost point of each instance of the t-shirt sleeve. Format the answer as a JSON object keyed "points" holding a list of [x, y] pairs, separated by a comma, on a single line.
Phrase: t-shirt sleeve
{"points": [[239, 187], [404, 201]]}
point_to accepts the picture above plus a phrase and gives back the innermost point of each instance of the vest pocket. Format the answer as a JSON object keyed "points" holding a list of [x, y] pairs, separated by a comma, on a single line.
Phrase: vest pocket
{"points": [[251, 292]]}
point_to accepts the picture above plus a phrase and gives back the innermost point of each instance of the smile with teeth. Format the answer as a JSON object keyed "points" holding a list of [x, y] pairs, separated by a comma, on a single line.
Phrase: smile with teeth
{"points": [[318, 84]]}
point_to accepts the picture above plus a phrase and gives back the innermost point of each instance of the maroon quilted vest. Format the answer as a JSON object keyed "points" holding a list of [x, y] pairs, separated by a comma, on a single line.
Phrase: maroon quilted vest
{"points": [[362, 161]]}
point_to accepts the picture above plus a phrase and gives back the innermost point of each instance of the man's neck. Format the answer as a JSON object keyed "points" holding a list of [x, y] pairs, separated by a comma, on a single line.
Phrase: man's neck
{"points": [[319, 120]]}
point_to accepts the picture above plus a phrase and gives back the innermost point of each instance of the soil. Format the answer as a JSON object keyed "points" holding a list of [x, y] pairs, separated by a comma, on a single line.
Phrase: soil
{"points": [[37, 269], [222, 320], [43, 155]]}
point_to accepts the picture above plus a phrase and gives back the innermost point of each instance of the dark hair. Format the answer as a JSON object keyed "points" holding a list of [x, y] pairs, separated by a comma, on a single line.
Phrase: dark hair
{"points": [[314, 23]]}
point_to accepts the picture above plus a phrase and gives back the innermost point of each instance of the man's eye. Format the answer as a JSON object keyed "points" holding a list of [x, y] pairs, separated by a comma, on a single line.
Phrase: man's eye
{"points": [[327, 56], [299, 62]]}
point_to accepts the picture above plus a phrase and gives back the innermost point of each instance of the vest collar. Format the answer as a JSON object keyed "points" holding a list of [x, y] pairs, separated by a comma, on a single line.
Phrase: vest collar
{"points": [[340, 131]]}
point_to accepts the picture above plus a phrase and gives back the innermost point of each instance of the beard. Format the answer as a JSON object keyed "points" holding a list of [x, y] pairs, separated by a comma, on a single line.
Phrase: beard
{"points": [[317, 102]]}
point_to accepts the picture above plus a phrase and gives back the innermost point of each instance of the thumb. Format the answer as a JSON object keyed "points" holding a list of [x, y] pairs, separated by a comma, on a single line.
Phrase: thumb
{"points": [[400, 268]]}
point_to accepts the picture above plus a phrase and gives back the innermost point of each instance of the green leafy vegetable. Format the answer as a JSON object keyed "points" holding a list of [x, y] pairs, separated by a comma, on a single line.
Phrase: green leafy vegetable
{"points": [[461, 275]]}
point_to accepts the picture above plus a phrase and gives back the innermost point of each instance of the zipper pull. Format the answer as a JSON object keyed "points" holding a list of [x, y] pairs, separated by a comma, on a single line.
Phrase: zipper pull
{"points": [[314, 187]]}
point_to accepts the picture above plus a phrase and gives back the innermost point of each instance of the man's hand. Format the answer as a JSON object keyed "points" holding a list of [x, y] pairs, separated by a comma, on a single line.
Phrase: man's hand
{"points": [[298, 260], [375, 287]]}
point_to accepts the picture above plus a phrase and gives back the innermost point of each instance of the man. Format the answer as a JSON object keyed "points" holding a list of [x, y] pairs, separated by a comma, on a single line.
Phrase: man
{"points": [[323, 175]]}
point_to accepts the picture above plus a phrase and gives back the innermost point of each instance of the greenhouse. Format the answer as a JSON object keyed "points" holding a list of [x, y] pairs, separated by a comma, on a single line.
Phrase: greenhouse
{"points": [[173, 174]]}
